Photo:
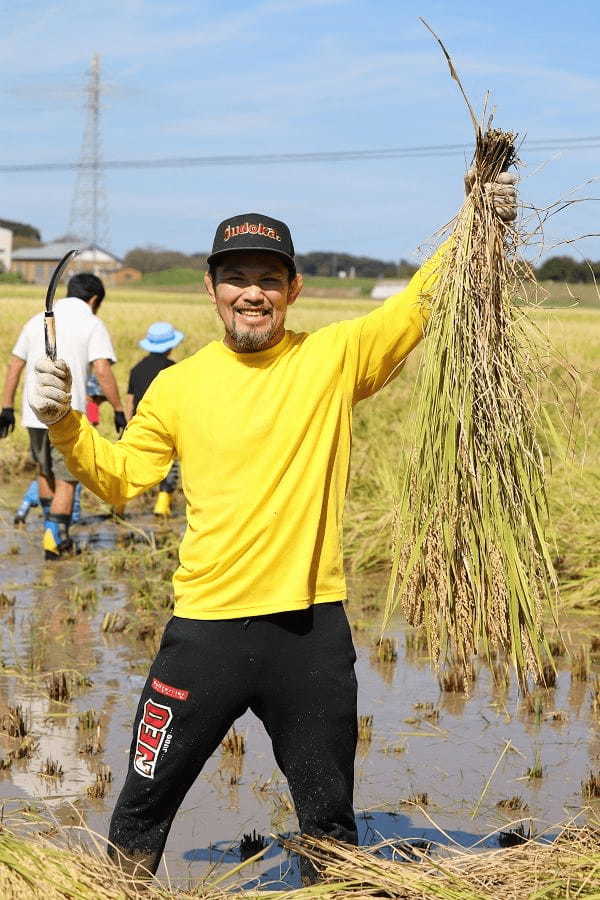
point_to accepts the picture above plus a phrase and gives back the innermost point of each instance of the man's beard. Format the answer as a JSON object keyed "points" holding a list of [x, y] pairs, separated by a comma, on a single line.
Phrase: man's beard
{"points": [[251, 340]]}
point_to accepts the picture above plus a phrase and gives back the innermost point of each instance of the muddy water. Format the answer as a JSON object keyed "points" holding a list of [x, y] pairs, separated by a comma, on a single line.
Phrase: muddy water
{"points": [[424, 741]]}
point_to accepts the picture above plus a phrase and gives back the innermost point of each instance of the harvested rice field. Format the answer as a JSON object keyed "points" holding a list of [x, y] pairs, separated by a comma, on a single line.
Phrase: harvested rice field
{"points": [[435, 766]]}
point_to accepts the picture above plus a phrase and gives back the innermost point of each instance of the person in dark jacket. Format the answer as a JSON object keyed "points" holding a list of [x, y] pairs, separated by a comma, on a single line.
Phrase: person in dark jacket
{"points": [[159, 341]]}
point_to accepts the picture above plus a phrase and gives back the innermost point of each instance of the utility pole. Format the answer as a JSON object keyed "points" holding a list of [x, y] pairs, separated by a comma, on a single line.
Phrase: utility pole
{"points": [[89, 210]]}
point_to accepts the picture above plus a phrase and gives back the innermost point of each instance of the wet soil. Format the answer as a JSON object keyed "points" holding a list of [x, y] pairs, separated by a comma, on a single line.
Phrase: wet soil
{"points": [[420, 776]]}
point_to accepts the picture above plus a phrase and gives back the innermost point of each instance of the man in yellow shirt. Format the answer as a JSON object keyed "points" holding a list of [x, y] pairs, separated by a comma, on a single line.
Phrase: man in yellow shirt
{"points": [[261, 423]]}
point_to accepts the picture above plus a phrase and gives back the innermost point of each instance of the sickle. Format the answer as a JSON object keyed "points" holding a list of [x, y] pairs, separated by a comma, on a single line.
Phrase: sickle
{"points": [[49, 323]]}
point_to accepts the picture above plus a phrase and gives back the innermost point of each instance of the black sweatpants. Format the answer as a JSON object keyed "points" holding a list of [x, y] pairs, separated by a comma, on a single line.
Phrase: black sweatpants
{"points": [[294, 670]]}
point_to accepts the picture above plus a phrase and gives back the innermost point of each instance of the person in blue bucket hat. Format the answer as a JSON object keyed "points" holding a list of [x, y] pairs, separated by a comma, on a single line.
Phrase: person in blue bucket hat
{"points": [[160, 339]]}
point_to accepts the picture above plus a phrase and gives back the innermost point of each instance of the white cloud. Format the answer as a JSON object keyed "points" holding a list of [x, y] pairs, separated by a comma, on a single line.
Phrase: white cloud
{"points": [[66, 33]]}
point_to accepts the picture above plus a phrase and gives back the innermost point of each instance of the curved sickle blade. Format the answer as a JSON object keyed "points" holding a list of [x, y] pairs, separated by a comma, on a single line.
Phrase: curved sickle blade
{"points": [[56, 278], [49, 324]]}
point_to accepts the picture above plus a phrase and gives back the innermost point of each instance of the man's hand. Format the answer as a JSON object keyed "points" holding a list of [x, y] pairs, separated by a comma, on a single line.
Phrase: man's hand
{"points": [[7, 421], [503, 192], [120, 421], [50, 392]]}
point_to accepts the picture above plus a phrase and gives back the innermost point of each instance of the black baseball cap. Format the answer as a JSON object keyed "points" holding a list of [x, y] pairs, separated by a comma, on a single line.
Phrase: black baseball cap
{"points": [[254, 231]]}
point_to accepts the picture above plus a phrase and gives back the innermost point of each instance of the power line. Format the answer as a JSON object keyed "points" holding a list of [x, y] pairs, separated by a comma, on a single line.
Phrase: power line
{"points": [[423, 152]]}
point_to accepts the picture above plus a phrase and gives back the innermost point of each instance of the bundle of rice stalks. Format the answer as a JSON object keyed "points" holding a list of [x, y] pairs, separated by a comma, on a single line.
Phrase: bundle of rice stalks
{"points": [[31, 868], [35, 869], [470, 557], [568, 867]]}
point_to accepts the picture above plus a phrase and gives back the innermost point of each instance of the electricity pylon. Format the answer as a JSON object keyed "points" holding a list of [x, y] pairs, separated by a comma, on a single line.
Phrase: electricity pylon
{"points": [[89, 209]]}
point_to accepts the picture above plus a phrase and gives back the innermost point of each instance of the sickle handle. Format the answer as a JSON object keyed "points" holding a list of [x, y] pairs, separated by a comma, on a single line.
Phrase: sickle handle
{"points": [[50, 335]]}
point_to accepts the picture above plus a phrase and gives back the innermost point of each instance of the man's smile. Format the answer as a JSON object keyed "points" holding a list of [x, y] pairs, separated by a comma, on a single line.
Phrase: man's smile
{"points": [[252, 314]]}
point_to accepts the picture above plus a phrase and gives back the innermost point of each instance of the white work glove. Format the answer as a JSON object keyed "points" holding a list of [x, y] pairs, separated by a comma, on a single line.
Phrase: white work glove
{"points": [[50, 390], [503, 191]]}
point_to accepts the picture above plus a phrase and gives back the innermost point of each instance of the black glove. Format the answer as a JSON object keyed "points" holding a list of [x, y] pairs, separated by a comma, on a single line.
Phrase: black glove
{"points": [[120, 422], [7, 421]]}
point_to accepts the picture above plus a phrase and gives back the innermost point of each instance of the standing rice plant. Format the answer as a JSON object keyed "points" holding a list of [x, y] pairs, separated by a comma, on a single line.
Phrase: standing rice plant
{"points": [[580, 665], [470, 559], [233, 744], [595, 695], [590, 786], [537, 769], [15, 722], [365, 729], [456, 679]]}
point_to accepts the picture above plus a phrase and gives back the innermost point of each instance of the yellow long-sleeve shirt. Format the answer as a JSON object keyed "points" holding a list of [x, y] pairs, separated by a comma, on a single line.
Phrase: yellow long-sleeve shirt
{"points": [[264, 444]]}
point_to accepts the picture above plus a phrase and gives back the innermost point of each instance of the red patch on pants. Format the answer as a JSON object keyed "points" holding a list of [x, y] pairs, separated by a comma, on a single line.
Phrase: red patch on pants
{"points": [[169, 691]]}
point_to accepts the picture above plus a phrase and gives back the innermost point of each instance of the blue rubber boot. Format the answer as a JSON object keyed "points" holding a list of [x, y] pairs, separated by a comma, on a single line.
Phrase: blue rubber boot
{"points": [[31, 497], [76, 513], [56, 541], [45, 503]]}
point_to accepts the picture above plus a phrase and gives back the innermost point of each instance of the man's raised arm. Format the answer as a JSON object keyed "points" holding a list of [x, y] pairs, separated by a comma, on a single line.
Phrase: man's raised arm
{"points": [[379, 342], [115, 472]]}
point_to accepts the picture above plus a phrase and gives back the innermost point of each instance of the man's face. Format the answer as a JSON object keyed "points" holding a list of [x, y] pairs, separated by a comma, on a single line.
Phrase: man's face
{"points": [[252, 291]]}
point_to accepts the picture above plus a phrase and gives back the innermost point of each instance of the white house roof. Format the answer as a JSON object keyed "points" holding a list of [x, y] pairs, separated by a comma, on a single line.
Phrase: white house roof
{"points": [[57, 249]]}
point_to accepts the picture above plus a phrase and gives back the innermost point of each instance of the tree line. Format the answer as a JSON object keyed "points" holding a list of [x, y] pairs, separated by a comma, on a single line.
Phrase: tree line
{"points": [[567, 269], [153, 258], [23, 235], [156, 259], [322, 263]]}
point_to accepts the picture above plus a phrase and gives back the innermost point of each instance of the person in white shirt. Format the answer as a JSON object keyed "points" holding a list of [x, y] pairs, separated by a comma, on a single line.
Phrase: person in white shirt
{"points": [[83, 341]]}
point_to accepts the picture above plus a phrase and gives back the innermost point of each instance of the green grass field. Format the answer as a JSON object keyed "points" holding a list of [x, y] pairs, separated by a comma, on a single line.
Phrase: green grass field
{"points": [[380, 423], [182, 279]]}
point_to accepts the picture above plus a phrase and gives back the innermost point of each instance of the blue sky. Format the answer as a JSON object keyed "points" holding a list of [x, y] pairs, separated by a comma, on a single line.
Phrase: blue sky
{"points": [[277, 76]]}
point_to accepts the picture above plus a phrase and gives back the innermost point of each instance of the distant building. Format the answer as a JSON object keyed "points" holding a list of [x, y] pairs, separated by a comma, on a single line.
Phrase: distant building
{"points": [[385, 288], [125, 275], [36, 264], [6, 242]]}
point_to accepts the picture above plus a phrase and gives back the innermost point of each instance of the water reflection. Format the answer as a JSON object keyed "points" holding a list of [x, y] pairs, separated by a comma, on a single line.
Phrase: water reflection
{"points": [[416, 738]]}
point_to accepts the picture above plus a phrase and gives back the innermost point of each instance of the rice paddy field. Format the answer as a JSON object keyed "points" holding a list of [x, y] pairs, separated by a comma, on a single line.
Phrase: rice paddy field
{"points": [[446, 780]]}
